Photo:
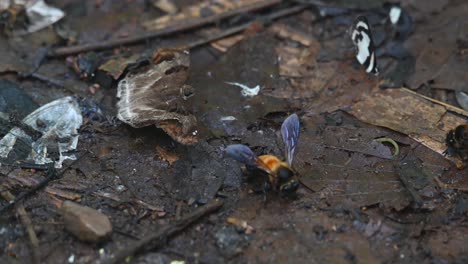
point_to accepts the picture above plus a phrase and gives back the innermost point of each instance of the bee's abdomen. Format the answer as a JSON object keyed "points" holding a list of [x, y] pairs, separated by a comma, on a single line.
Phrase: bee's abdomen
{"points": [[272, 162]]}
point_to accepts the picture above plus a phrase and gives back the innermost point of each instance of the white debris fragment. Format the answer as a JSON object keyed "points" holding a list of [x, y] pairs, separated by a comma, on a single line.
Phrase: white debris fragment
{"points": [[462, 99], [228, 118], [42, 15], [246, 91], [58, 122], [395, 13], [71, 259]]}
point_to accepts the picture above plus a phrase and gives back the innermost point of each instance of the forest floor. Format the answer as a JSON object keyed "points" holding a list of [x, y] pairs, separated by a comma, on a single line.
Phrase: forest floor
{"points": [[361, 199]]}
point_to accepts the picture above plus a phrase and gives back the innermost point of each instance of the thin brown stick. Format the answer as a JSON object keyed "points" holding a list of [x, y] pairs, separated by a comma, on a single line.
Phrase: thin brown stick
{"points": [[27, 223], [154, 240], [52, 175], [184, 26], [447, 106], [234, 30]]}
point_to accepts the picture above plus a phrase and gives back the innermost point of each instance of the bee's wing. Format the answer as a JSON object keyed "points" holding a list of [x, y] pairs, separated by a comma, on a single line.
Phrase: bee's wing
{"points": [[290, 133], [245, 155]]}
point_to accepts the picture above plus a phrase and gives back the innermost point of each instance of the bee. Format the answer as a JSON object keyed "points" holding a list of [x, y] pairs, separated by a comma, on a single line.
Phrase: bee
{"points": [[13, 17], [280, 175], [457, 142]]}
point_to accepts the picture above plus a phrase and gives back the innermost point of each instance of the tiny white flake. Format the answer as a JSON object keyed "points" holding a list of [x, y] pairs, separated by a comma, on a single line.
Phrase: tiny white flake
{"points": [[71, 259], [246, 91], [195, 132], [395, 13], [228, 118]]}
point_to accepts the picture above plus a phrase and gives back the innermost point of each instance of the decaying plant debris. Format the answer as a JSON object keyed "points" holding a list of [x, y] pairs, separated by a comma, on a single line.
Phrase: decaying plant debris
{"points": [[158, 89]]}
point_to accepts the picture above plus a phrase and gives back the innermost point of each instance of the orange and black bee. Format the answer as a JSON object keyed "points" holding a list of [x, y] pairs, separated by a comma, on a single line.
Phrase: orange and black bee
{"points": [[280, 174], [13, 17], [457, 142]]}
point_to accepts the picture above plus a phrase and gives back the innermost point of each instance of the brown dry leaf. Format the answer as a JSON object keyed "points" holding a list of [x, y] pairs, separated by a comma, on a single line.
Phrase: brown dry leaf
{"points": [[166, 5], [224, 44], [327, 86], [115, 67], [176, 131], [355, 139], [425, 8], [363, 187], [202, 10], [22, 178], [149, 206], [435, 48], [63, 193], [294, 62], [11, 61], [448, 243], [342, 164], [157, 94], [400, 110], [286, 32], [248, 229], [166, 155], [461, 185], [319, 86]]}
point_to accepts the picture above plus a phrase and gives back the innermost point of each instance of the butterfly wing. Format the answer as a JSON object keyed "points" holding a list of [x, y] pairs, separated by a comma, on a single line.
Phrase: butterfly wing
{"points": [[290, 134], [245, 155], [364, 43]]}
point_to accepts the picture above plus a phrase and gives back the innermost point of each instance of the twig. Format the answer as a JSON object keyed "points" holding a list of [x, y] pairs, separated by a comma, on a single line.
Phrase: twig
{"points": [[184, 26], [42, 78], [27, 223], [154, 240], [51, 175], [447, 106], [234, 30]]}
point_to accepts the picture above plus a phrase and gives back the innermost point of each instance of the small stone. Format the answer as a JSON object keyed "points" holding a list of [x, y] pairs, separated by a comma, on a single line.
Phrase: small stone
{"points": [[85, 223]]}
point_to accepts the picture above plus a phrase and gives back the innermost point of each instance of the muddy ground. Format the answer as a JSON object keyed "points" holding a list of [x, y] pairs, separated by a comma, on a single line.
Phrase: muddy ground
{"points": [[358, 202]]}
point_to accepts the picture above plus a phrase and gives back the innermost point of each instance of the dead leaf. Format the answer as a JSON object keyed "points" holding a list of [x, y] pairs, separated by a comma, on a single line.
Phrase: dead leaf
{"points": [[202, 10], [166, 5], [435, 48], [286, 32], [399, 110], [156, 94], [115, 67], [63, 193], [166, 155], [248, 229]]}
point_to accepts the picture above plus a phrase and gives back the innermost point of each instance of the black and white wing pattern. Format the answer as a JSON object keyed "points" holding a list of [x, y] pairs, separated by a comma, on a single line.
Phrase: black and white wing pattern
{"points": [[290, 133], [362, 39]]}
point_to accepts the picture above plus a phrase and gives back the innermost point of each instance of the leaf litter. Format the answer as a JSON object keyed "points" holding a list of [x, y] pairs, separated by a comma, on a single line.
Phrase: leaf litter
{"points": [[358, 202]]}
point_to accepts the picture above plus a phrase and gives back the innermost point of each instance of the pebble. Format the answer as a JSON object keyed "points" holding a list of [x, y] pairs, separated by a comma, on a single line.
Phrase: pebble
{"points": [[85, 223]]}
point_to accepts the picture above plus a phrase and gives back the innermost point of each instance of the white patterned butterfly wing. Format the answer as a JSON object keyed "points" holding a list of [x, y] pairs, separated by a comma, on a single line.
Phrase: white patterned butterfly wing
{"points": [[365, 50]]}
